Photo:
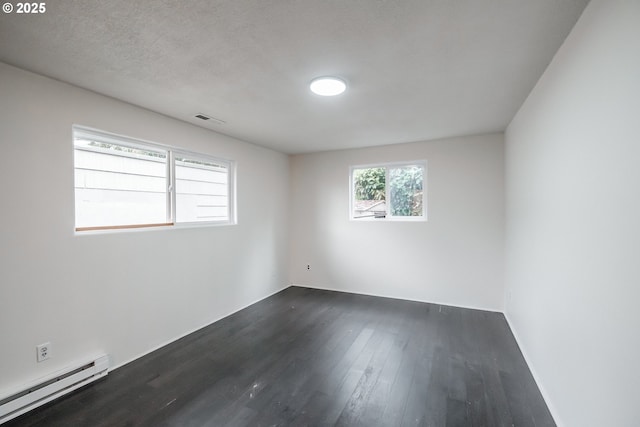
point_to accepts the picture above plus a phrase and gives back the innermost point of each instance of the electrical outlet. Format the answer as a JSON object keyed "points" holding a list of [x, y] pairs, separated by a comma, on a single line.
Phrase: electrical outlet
{"points": [[43, 351]]}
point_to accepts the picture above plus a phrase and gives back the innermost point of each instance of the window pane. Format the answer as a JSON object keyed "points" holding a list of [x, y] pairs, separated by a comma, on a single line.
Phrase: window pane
{"points": [[405, 190], [369, 193], [202, 190], [119, 185]]}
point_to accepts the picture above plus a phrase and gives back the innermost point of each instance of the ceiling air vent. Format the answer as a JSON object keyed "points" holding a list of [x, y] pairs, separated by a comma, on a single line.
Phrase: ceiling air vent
{"points": [[213, 119]]}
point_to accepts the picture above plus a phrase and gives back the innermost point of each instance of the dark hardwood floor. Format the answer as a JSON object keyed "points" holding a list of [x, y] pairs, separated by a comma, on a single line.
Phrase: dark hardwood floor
{"points": [[319, 358]]}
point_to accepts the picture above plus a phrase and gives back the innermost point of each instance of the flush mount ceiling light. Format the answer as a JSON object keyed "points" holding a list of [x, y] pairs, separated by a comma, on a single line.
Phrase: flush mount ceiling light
{"points": [[327, 86]]}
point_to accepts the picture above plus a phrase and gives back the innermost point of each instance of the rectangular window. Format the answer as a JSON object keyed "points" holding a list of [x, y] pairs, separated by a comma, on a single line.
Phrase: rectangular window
{"points": [[121, 182], [388, 191], [202, 189]]}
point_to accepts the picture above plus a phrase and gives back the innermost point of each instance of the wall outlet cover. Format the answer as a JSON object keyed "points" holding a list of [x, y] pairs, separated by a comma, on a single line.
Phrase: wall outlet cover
{"points": [[43, 351]]}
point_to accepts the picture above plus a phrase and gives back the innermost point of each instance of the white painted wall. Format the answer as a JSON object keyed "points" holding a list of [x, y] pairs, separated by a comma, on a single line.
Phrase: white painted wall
{"points": [[122, 293], [455, 258], [573, 221]]}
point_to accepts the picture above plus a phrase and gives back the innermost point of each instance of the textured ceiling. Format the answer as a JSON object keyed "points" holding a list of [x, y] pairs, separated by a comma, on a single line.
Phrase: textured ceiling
{"points": [[416, 70]]}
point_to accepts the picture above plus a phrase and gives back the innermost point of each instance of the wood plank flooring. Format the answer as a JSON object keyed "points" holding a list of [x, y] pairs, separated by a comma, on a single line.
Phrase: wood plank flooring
{"points": [[307, 357]]}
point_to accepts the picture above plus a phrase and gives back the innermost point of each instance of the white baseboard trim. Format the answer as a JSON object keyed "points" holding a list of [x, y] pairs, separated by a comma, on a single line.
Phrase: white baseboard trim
{"points": [[534, 373], [371, 294], [159, 346]]}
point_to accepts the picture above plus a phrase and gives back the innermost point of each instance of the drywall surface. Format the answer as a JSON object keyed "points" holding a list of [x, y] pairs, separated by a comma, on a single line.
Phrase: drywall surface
{"points": [[455, 258], [121, 293], [573, 230]]}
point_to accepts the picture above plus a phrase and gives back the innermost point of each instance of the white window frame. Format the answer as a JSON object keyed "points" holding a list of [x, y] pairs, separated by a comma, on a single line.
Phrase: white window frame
{"points": [[172, 152], [388, 217]]}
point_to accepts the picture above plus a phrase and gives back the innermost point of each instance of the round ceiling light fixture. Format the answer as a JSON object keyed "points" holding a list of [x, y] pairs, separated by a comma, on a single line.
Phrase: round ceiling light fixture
{"points": [[328, 86]]}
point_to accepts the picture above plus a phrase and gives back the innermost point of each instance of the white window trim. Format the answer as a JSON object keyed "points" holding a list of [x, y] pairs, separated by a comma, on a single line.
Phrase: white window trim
{"points": [[387, 166], [136, 143]]}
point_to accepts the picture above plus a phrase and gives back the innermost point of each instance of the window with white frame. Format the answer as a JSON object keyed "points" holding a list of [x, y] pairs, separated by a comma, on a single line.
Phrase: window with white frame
{"points": [[122, 182], [394, 191]]}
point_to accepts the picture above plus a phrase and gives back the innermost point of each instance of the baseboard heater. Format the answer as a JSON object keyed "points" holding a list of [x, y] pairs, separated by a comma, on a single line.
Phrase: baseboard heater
{"points": [[53, 387]]}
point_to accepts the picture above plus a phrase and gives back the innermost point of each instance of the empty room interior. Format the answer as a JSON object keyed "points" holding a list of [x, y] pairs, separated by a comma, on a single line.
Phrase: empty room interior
{"points": [[376, 213]]}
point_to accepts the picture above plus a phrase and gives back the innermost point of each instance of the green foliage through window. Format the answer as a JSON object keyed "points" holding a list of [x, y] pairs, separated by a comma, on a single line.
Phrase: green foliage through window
{"points": [[393, 190], [369, 184], [406, 190]]}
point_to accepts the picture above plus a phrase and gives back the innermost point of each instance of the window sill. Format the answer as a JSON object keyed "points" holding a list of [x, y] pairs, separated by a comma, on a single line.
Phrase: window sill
{"points": [[90, 231], [389, 219]]}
